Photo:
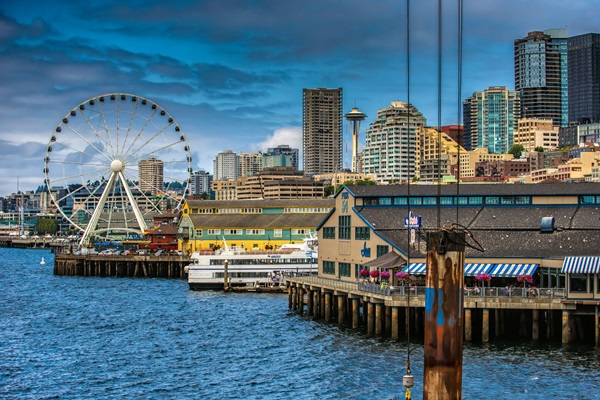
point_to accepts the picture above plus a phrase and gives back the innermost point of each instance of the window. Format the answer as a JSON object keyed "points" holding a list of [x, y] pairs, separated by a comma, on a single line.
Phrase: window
{"points": [[329, 232], [300, 231], [429, 201], [255, 232], [344, 269], [382, 250], [213, 232], [385, 201], [199, 232], [587, 199], [277, 233], [234, 231], [362, 233], [344, 227], [578, 283], [329, 267], [476, 200], [401, 201], [492, 200]]}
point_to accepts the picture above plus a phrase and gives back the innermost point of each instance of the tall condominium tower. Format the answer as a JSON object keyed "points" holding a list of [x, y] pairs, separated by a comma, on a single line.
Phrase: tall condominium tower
{"points": [[226, 166], [389, 152], [584, 78], [322, 130], [541, 75], [490, 119], [151, 175]]}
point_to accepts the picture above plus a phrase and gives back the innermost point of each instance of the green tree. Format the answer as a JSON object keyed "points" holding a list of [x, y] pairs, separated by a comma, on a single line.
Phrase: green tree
{"points": [[46, 225], [516, 150], [539, 149]]}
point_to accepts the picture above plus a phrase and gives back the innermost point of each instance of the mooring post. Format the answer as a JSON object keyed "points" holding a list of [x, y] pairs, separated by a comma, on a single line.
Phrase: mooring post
{"points": [[225, 276], [443, 338]]}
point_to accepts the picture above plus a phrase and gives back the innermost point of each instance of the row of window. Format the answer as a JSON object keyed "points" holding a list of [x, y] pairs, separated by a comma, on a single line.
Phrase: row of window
{"points": [[463, 200], [288, 210], [253, 232], [447, 200], [345, 269], [360, 232]]}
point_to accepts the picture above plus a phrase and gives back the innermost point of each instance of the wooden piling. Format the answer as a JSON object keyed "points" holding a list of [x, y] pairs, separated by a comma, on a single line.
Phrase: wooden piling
{"points": [[443, 339]]}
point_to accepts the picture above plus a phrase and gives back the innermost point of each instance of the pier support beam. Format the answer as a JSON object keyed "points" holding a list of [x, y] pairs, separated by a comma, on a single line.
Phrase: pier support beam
{"points": [[341, 303], [597, 322], [370, 318], [443, 338], [388, 319], [355, 313], [378, 319], [309, 302], [567, 328], [316, 305], [468, 325], [498, 329], [485, 325], [535, 325], [394, 331], [327, 307], [300, 300]]}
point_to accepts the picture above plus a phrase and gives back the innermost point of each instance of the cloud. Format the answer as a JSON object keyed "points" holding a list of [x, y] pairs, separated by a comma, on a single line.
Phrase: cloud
{"points": [[291, 135]]}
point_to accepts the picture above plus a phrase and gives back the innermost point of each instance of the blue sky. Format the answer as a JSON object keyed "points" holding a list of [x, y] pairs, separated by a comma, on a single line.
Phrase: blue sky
{"points": [[232, 72]]}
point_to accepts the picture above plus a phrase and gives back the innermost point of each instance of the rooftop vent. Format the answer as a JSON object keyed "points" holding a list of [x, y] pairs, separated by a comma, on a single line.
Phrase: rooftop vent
{"points": [[547, 225]]}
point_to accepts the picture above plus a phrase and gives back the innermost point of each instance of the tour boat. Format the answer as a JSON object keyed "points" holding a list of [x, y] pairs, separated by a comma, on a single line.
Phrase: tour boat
{"points": [[258, 268]]}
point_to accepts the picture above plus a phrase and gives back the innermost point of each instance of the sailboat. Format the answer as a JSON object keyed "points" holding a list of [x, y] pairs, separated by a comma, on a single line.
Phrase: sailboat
{"points": [[42, 262]]}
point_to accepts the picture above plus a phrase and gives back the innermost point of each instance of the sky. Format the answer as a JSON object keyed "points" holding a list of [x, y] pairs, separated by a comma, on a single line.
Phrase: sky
{"points": [[231, 72]]}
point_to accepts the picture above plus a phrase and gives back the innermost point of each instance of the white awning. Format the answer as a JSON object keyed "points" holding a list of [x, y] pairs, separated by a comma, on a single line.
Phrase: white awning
{"points": [[513, 270], [581, 265]]}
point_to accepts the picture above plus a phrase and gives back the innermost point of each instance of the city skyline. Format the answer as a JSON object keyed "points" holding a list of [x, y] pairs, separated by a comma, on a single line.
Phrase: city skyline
{"points": [[232, 73]]}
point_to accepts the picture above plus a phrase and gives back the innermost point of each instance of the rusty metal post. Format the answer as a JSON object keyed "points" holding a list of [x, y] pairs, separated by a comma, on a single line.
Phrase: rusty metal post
{"points": [[443, 339]]}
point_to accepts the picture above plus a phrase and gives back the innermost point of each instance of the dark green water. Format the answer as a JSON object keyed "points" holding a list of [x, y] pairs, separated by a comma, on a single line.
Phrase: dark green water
{"points": [[91, 338]]}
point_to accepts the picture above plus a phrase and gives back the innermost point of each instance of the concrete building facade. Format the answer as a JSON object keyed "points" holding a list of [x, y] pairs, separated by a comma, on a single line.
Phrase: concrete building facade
{"points": [[322, 130]]}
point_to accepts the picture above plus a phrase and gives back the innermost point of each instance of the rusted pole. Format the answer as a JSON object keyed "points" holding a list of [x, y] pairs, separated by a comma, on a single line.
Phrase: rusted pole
{"points": [[443, 339]]}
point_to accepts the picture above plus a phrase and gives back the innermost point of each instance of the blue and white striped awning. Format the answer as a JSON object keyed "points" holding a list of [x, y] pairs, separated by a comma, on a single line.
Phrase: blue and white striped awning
{"points": [[581, 265], [513, 270], [476, 269], [416, 268]]}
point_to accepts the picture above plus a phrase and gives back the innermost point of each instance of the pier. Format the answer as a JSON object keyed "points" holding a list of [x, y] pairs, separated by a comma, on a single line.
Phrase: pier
{"points": [[493, 313], [133, 266]]}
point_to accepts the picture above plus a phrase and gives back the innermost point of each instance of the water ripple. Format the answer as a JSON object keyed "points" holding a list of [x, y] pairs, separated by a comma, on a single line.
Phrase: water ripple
{"points": [[89, 338]]}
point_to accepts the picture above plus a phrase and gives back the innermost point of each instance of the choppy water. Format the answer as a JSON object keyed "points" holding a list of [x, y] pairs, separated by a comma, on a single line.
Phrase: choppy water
{"points": [[90, 338]]}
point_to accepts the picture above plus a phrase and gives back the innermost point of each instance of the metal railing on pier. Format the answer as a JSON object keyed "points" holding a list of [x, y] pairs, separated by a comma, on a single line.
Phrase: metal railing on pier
{"points": [[402, 291]]}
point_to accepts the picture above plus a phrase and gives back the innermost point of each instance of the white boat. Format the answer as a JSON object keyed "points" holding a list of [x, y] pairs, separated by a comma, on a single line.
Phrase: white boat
{"points": [[258, 268], [42, 262]]}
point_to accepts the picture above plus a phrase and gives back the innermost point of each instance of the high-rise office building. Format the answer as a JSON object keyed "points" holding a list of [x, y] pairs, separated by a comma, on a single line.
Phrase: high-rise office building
{"points": [[584, 78], [226, 166], [389, 152], [541, 75], [200, 182], [490, 119], [285, 150], [322, 130], [250, 163], [151, 175]]}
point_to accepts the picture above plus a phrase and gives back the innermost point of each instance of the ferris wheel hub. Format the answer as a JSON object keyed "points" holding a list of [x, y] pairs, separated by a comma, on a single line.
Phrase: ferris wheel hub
{"points": [[117, 166]]}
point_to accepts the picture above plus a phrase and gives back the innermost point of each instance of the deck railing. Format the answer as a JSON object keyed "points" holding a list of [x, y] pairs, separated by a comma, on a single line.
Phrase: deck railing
{"points": [[401, 291]]}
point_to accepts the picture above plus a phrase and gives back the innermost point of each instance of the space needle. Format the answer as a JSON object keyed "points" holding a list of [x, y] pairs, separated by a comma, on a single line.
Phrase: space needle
{"points": [[355, 117]]}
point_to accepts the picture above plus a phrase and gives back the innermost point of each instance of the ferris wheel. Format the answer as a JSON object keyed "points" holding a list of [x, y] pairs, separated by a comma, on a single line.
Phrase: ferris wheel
{"points": [[113, 163]]}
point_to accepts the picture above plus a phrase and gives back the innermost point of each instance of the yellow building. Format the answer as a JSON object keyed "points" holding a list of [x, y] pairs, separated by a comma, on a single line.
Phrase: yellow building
{"points": [[249, 224]]}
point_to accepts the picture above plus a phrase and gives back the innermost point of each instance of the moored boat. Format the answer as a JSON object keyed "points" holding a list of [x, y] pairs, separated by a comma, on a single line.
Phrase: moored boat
{"points": [[251, 268]]}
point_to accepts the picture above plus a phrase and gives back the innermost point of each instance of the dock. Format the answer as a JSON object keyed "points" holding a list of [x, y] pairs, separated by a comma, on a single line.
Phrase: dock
{"points": [[494, 313], [170, 266]]}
